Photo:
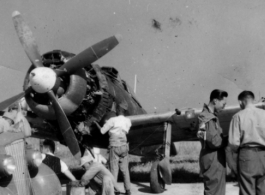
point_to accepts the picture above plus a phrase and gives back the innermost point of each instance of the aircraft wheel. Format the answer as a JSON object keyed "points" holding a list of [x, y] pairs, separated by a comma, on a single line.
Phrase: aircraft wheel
{"points": [[157, 184]]}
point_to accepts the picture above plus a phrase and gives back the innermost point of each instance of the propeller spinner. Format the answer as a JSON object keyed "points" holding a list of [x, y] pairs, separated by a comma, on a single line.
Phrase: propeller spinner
{"points": [[43, 79]]}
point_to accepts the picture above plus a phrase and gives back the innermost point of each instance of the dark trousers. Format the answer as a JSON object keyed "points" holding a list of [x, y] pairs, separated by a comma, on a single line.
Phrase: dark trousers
{"points": [[252, 171], [119, 160], [213, 170], [214, 181]]}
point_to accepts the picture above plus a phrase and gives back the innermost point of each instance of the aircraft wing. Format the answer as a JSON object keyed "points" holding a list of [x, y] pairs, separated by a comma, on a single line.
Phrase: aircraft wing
{"points": [[147, 132], [148, 129]]}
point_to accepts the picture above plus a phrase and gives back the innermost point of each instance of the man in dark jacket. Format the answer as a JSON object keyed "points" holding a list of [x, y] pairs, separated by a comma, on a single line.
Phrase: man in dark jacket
{"points": [[212, 156]]}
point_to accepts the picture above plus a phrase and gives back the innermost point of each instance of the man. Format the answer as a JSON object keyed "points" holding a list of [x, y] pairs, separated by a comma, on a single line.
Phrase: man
{"points": [[97, 177], [14, 126], [7, 122], [57, 165], [118, 127], [247, 137], [14, 121], [212, 156], [97, 156]]}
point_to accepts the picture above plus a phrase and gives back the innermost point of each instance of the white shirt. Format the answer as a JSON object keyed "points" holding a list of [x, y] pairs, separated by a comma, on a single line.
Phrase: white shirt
{"points": [[98, 157], [117, 125], [64, 167], [247, 128]]}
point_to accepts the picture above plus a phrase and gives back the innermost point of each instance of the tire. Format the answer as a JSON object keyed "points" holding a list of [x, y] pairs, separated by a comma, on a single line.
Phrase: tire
{"points": [[157, 184]]}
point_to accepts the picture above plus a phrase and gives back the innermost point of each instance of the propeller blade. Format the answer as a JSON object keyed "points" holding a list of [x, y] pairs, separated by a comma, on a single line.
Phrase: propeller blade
{"points": [[27, 39], [65, 127], [89, 55], [10, 101]]}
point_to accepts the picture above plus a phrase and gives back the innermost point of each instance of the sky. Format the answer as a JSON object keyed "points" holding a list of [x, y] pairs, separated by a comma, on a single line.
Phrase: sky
{"points": [[180, 50]]}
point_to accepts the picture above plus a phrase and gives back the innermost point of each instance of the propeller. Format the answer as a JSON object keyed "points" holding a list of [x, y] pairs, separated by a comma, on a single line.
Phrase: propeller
{"points": [[65, 127], [43, 79]]}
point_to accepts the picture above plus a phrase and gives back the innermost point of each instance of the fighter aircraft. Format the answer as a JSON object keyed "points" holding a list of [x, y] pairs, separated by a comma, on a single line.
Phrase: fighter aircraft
{"points": [[70, 97]]}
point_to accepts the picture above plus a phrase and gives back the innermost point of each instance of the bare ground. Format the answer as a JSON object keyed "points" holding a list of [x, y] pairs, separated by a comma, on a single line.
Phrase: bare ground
{"points": [[176, 189], [185, 170]]}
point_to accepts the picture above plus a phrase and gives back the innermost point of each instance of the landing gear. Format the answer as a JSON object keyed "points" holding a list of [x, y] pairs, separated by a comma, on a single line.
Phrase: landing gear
{"points": [[160, 173], [157, 184]]}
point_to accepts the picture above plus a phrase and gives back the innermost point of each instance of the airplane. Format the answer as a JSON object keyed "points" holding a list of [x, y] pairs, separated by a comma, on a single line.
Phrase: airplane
{"points": [[69, 96]]}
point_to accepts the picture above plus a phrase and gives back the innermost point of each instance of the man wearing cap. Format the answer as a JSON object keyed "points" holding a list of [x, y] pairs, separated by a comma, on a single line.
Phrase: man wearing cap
{"points": [[55, 163], [118, 128], [98, 177]]}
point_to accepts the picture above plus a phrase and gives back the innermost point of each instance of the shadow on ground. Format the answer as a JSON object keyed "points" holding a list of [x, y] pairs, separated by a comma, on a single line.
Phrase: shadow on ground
{"points": [[180, 175], [143, 188]]}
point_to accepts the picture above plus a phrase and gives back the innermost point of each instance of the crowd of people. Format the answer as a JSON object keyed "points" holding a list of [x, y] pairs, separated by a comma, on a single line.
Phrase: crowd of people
{"points": [[242, 148], [100, 179]]}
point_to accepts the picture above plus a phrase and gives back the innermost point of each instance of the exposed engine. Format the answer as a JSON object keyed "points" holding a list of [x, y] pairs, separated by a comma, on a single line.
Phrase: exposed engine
{"points": [[93, 95]]}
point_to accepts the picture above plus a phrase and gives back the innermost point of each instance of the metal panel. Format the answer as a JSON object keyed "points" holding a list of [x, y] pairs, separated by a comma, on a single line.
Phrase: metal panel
{"points": [[21, 175]]}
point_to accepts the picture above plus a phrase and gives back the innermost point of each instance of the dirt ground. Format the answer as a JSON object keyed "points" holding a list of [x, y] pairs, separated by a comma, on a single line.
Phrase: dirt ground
{"points": [[177, 189]]}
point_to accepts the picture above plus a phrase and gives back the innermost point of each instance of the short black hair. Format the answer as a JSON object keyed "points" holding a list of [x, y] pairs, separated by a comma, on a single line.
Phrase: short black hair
{"points": [[120, 111], [218, 94], [246, 95], [47, 143]]}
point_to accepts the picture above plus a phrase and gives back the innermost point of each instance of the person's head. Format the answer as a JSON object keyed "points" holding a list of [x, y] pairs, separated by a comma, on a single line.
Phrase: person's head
{"points": [[245, 98], [10, 116], [109, 115], [120, 111], [48, 146], [86, 161], [218, 99], [13, 107]]}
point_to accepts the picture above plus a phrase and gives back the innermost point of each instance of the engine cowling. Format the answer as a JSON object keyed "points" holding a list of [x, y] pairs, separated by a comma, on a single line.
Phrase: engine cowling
{"points": [[46, 182]]}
